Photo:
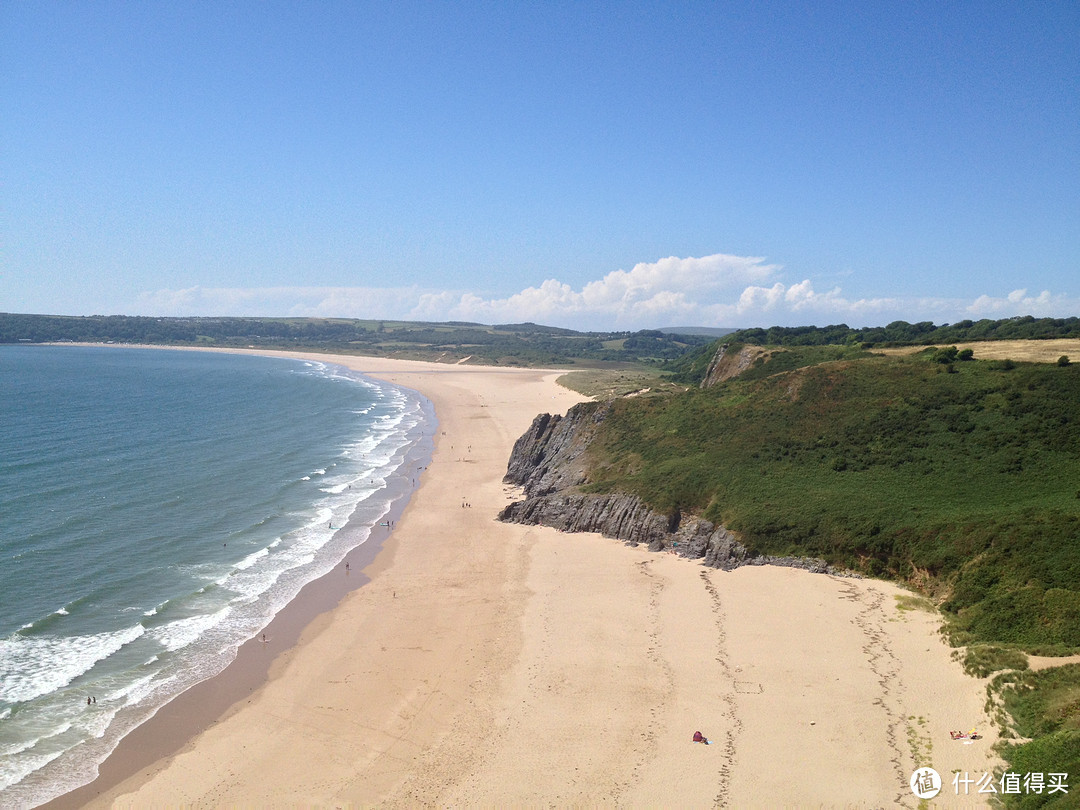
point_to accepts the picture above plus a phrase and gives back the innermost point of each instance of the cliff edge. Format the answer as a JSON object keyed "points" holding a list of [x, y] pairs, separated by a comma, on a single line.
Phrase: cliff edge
{"points": [[549, 463], [727, 365]]}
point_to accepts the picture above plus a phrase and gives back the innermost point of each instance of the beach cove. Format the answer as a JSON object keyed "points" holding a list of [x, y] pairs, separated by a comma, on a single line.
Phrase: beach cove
{"points": [[496, 664]]}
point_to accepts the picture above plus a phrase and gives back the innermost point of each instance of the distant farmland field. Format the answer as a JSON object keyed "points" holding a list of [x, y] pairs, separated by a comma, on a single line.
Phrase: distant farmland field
{"points": [[1025, 351]]}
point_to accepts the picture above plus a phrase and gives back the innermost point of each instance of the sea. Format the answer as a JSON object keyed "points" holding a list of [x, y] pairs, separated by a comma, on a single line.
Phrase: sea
{"points": [[157, 509]]}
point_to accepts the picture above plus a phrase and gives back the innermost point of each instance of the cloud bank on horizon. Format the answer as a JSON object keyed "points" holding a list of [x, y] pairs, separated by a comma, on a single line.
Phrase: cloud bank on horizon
{"points": [[718, 290], [507, 162]]}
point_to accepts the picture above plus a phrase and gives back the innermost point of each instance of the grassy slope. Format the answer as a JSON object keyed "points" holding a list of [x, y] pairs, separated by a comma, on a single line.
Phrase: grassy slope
{"points": [[964, 484], [1045, 709]]}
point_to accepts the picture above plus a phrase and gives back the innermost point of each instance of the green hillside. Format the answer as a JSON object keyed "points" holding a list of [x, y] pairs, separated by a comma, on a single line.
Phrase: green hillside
{"points": [[959, 478], [965, 483]]}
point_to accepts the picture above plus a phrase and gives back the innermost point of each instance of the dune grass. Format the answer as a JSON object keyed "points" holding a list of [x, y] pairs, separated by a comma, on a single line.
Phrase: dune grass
{"points": [[1044, 708]]}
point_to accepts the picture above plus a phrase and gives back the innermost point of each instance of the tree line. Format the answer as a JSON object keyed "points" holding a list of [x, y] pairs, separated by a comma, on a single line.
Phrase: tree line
{"points": [[1024, 327]]}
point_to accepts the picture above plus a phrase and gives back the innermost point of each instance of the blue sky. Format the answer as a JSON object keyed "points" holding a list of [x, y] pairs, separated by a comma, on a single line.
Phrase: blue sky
{"points": [[590, 165]]}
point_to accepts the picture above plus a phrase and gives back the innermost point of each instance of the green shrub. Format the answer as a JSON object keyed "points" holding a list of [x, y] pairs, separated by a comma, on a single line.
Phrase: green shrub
{"points": [[1045, 708], [946, 354], [982, 659], [1053, 753]]}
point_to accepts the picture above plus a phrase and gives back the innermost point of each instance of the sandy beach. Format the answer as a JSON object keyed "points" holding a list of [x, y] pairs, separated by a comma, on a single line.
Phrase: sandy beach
{"points": [[500, 665]]}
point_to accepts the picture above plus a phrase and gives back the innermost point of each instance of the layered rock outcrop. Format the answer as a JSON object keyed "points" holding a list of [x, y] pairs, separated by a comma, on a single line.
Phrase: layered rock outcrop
{"points": [[550, 456], [626, 518], [549, 463], [727, 364]]}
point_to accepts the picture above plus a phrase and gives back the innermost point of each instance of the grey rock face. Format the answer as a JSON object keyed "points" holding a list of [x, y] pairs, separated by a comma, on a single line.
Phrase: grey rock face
{"points": [[548, 462], [549, 457]]}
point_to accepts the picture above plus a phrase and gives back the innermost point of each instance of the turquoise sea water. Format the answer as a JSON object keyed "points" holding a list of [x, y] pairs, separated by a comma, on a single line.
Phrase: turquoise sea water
{"points": [[157, 508]]}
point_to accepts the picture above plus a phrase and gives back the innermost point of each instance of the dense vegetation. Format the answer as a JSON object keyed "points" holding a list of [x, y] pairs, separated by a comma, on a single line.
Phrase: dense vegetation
{"points": [[1044, 708], [515, 344], [965, 482], [903, 333]]}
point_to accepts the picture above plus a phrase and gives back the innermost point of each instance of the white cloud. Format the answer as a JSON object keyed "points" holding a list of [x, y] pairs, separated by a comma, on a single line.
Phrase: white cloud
{"points": [[785, 301], [760, 299], [666, 291], [717, 290], [1018, 302]]}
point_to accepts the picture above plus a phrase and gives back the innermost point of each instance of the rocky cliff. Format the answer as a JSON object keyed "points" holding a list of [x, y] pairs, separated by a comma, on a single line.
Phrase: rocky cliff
{"points": [[727, 364], [549, 463], [550, 456]]}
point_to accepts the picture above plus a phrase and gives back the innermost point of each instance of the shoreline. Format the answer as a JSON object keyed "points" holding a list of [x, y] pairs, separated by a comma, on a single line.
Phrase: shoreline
{"points": [[189, 713], [499, 664], [178, 723]]}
